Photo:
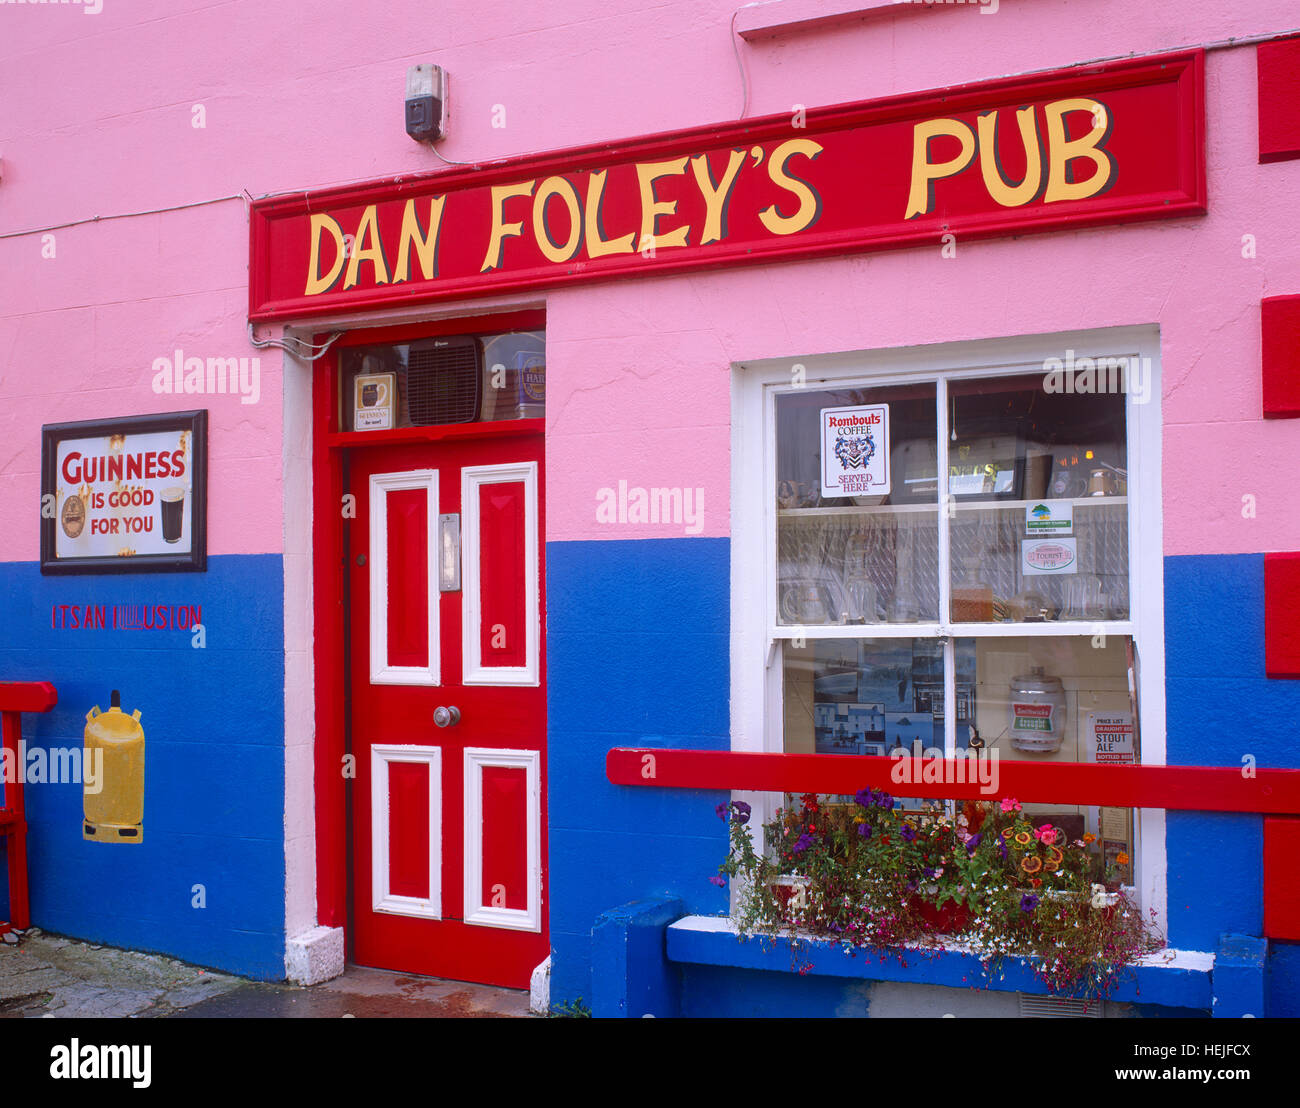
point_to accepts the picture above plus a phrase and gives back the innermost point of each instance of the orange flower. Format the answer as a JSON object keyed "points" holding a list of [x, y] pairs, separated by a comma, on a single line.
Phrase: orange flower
{"points": [[1089, 838], [1031, 864], [1121, 859], [1051, 865], [1024, 838]]}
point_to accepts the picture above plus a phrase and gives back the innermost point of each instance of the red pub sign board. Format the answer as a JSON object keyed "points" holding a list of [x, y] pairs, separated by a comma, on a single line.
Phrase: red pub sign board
{"points": [[1097, 144]]}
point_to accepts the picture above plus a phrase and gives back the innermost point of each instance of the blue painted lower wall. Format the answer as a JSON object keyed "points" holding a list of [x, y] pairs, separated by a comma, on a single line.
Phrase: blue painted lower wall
{"points": [[1222, 709], [213, 719], [638, 653]]}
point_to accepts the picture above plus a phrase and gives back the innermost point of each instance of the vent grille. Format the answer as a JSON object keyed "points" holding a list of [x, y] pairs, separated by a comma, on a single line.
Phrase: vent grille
{"points": [[442, 381], [1050, 1007]]}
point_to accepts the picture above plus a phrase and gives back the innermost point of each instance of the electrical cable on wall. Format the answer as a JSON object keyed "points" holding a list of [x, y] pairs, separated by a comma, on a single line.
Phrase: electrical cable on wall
{"points": [[744, 78], [303, 351]]}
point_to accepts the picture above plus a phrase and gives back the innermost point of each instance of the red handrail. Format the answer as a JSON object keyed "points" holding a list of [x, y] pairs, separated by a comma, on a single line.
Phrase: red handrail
{"points": [[17, 697], [27, 696], [1182, 788]]}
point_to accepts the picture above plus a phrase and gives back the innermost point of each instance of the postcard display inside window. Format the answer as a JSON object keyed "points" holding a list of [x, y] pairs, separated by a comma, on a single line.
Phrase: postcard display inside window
{"points": [[125, 495], [1036, 510]]}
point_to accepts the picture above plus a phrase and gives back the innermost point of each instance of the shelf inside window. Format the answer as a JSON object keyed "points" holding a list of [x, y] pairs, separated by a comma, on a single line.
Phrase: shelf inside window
{"points": [[958, 506]]}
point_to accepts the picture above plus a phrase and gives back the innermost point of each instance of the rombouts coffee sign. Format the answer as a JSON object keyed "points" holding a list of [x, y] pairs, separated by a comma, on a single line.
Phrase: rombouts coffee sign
{"points": [[126, 494], [1099, 144]]}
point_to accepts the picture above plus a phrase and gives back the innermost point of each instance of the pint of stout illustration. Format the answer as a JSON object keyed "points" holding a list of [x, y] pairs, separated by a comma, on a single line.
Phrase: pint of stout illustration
{"points": [[172, 500]]}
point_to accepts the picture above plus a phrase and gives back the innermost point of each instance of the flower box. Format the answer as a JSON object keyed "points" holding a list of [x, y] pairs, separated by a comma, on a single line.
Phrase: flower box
{"points": [[949, 918], [790, 891], [871, 875]]}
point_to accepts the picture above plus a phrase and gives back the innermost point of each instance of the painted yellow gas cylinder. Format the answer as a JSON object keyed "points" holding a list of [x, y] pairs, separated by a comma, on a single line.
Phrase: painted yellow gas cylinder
{"points": [[114, 804]]}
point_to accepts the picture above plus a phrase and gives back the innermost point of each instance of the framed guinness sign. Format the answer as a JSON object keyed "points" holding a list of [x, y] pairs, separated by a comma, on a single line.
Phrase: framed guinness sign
{"points": [[125, 495]]}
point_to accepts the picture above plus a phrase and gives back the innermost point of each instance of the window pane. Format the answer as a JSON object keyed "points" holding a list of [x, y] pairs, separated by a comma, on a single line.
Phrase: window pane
{"points": [[1039, 528], [1060, 700], [1019, 699], [457, 379], [859, 558], [873, 696]]}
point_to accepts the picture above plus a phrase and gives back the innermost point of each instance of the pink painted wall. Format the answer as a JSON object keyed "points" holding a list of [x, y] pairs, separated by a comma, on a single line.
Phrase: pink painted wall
{"points": [[96, 118]]}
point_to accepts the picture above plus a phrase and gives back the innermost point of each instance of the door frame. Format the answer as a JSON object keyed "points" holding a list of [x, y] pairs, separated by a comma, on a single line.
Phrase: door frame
{"points": [[330, 451]]}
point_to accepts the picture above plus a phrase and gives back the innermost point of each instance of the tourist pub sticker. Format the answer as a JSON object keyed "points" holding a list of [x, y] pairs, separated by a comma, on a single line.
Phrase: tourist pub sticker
{"points": [[855, 451], [125, 495], [1043, 557]]}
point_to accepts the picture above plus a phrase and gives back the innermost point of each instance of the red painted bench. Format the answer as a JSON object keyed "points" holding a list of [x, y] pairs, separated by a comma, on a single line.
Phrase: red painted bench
{"points": [[17, 697]]}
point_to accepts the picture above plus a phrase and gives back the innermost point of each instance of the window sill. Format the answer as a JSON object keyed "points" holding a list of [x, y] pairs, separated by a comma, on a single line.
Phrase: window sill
{"points": [[789, 16], [1172, 978]]}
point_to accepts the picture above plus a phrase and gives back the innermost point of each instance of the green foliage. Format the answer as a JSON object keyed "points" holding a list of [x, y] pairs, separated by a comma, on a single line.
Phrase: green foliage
{"points": [[575, 1009]]}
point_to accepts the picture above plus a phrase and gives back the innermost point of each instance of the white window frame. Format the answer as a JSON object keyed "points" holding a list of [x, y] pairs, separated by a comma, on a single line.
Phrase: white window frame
{"points": [[757, 641]]}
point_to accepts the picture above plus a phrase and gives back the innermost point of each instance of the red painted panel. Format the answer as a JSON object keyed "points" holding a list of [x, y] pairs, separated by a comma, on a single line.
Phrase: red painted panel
{"points": [[1183, 788], [1279, 99], [331, 675], [27, 696], [408, 577], [1282, 615], [505, 837], [408, 829], [13, 824], [1280, 352], [1281, 890], [842, 183], [503, 638]]}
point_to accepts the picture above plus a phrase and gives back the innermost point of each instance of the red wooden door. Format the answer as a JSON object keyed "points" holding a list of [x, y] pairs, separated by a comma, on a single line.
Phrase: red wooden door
{"points": [[449, 829]]}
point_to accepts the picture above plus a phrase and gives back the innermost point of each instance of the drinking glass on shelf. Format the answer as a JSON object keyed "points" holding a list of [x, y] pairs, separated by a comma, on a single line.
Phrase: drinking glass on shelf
{"points": [[863, 604], [1083, 598], [805, 602], [904, 609], [860, 554]]}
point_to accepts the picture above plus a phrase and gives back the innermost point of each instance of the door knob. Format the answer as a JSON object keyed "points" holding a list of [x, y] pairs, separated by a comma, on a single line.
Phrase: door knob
{"points": [[446, 717]]}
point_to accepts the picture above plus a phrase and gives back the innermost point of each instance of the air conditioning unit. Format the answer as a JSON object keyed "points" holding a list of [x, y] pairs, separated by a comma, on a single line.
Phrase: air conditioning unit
{"points": [[444, 379]]}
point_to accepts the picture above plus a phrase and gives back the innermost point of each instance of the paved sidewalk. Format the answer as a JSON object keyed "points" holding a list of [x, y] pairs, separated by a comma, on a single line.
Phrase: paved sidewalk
{"points": [[51, 976]]}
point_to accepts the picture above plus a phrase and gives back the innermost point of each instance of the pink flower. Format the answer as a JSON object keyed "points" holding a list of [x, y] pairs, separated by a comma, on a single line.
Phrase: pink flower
{"points": [[1045, 834], [1010, 804]]}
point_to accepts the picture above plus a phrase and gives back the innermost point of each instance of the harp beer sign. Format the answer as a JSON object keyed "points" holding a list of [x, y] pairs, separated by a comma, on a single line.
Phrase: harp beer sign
{"points": [[1100, 144]]}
